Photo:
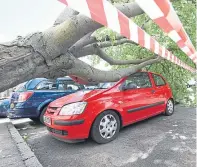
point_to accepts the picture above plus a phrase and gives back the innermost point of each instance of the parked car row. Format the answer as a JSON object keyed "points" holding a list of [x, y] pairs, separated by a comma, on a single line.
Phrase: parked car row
{"points": [[4, 107], [72, 112], [32, 103]]}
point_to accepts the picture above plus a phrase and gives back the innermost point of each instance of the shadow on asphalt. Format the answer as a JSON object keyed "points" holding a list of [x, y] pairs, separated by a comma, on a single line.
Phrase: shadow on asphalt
{"points": [[25, 125]]}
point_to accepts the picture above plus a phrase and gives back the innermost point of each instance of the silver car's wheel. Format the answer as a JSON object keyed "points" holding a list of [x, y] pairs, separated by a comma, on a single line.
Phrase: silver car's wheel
{"points": [[108, 126], [105, 127], [169, 107]]}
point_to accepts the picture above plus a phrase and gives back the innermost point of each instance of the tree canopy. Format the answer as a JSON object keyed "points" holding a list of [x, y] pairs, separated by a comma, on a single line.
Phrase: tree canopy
{"points": [[176, 76]]}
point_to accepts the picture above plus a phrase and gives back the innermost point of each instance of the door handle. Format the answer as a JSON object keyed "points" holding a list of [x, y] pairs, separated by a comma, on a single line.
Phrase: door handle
{"points": [[152, 91]]}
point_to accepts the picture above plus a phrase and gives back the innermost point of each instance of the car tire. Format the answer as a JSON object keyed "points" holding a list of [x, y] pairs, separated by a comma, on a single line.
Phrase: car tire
{"points": [[169, 107], [42, 114], [106, 127], [35, 119]]}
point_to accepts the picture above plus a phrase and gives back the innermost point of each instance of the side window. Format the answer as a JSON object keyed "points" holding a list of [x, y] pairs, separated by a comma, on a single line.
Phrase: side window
{"points": [[68, 85], [138, 80], [158, 80], [46, 85]]}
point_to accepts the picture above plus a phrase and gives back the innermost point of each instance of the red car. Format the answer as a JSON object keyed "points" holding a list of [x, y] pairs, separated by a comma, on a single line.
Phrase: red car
{"points": [[102, 112]]}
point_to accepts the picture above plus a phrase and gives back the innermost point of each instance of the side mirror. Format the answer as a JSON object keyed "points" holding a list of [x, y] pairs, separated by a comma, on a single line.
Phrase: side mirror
{"points": [[124, 87]]}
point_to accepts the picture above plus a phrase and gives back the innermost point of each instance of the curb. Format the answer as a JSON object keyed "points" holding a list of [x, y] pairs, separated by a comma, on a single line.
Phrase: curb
{"points": [[28, 157]]}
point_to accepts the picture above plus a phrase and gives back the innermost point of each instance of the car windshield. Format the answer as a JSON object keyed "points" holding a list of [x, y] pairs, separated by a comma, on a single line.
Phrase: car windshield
{"points": [[106, 85]]}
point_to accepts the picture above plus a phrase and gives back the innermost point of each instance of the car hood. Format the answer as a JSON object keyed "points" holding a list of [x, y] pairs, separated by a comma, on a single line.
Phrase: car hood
{"points": [[82, 95]]}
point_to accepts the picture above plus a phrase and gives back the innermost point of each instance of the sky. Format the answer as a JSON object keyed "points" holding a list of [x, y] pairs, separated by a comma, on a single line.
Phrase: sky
{"points": [[20, 17]]}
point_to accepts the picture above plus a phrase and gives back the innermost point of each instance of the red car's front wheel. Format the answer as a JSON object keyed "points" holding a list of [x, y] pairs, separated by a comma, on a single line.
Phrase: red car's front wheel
{"points": [[106, 127]]}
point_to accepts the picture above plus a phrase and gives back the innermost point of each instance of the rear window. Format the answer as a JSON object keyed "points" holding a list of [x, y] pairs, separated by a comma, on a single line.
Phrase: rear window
{"points": [[158, 80], [69, 85], [46, 85]]}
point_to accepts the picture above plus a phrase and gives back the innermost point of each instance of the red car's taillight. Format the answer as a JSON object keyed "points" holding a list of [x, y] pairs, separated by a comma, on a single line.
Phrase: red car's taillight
{"points": [[24, 96]]}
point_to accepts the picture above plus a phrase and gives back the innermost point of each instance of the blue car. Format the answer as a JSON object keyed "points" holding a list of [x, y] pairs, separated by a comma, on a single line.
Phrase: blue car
{"points": [[33, 103], [4, 107], [30, 85]]}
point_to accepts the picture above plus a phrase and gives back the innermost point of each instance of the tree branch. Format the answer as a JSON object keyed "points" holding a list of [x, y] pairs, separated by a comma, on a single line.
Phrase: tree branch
{"points": [[115, 43], [67, 13], [86, 40], [146, 21], [90, 74], [91, 49], [111, 61], [131, 9]]}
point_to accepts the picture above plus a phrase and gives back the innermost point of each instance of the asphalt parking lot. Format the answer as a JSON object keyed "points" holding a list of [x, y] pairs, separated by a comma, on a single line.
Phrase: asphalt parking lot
{"points": [[157, 142]]}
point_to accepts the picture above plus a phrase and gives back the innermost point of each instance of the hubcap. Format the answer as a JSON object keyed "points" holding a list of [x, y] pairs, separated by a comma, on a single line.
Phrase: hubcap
{"points": [[108, 126], [170, 106]]}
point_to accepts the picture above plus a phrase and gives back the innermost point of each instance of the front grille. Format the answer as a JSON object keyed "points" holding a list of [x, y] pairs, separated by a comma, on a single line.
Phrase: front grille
{"points": [[59, 132]]}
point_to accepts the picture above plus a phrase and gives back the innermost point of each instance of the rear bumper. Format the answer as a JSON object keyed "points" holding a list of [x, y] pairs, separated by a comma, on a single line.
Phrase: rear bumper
{"points": [[3, 114], [22, 113]]}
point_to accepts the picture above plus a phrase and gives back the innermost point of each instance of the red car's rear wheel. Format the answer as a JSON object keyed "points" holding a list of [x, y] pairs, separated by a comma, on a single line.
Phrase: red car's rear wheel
{"points": [[169, 107]]}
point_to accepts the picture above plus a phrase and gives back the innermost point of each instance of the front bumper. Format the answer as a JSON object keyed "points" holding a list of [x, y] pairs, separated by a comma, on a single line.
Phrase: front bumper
{"points": [[67, 130], [68, 123]]}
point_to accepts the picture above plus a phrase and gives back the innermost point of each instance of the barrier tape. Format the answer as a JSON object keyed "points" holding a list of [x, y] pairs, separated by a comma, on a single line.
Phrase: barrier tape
{"points": [[106, 14], [164, 15]]}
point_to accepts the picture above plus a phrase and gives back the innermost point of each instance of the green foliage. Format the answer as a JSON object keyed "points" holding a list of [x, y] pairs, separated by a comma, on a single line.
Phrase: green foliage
{"points": [[176, 76]]}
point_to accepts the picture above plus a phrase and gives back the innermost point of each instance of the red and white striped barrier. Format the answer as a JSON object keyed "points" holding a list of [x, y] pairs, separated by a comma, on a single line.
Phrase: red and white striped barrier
{"points": [[164, 15], [106, 14]]}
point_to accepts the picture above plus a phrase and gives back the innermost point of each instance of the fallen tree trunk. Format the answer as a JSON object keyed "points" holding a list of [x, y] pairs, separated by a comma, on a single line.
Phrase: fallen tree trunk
{"points": [[54, 53]]}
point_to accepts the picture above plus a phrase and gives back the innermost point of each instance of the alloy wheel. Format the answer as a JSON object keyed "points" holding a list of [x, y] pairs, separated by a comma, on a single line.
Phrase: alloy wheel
{"points": [[108, 126], [170, 106]]}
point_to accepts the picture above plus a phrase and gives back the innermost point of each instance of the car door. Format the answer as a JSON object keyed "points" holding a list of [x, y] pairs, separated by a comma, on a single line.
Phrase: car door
{"points": [[161, 91], [137, 101]]}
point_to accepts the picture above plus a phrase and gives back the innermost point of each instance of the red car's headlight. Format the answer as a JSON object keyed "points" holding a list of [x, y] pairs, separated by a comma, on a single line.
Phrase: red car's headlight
{"points": [[73, 108]]}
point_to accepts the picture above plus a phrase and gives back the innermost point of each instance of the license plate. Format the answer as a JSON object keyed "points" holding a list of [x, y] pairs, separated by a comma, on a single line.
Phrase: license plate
{"points": [[47, 120]]}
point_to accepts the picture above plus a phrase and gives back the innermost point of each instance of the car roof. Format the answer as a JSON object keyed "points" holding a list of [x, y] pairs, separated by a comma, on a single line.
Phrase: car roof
{"points": [[64, 78]]}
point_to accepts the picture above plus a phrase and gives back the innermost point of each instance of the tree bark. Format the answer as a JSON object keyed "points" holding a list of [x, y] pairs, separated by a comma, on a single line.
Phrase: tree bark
{"points": [[45, 54], [90, 74]]}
